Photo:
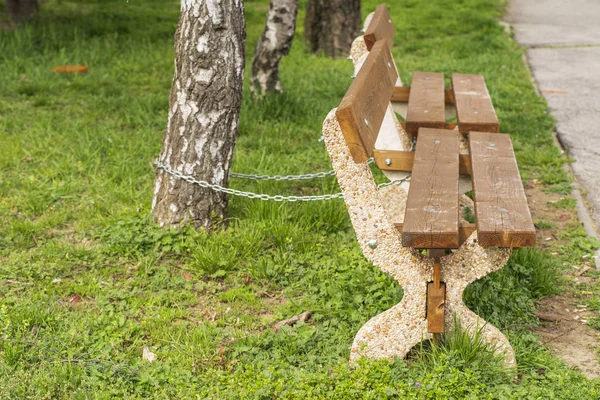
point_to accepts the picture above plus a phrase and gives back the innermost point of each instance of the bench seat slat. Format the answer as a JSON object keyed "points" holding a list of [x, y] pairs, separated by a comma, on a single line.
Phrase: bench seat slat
{"points": [[426, 104], [503, 217], [362, 109], [432, 210], [474, 108]]}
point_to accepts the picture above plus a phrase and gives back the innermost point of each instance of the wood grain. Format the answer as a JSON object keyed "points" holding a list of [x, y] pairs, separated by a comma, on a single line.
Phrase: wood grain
{"points": [[436, 253], [436, 295], [436, 299], [401, 94], [426, 104], [464, 231], [431, 218], [474, 108], [447, 125], [362, 109], [380, 28], [503, 217], [403, 161]]}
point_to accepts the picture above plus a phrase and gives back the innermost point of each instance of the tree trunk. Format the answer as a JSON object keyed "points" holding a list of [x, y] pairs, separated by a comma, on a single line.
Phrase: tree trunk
{"points": [[332, 25], [19, 10], [204, 109], [275, 42]]}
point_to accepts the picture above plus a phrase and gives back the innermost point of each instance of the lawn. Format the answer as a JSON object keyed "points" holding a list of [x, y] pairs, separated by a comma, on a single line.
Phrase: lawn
{"points": [[87, 280]]}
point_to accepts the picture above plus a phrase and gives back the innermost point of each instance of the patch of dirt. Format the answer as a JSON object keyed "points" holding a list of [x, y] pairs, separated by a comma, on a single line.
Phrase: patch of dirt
{"points": [[564, 324], [541, 211], [565, 332]]}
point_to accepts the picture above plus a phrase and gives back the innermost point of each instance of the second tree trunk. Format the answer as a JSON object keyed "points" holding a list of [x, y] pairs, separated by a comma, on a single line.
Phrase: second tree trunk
{"points": [[21, 9], [274, 43], [332, 25]]}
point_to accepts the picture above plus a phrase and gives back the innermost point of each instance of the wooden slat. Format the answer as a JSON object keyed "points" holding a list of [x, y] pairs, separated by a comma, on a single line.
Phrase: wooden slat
{"points": [[362, 109], [436, 299], [436, 295], [447, 125], [503, 217], [426, 105], [464, 231], [401, 94], [474, 108], [380, 28], [431, 218], [403, 161], [436, 253]]}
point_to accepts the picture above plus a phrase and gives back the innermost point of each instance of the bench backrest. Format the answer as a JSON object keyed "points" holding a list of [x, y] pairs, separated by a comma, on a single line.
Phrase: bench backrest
{"points": [[380, 28], [362, 109]]}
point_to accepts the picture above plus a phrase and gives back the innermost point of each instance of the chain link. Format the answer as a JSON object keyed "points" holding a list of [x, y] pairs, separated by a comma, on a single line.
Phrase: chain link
{"points": [[287, 177], [282, 177], [259, 196]]}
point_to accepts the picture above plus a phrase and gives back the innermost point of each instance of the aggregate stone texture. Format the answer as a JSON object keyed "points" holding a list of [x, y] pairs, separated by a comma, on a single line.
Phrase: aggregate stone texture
{"points": [[395, 331], [373, 213]]}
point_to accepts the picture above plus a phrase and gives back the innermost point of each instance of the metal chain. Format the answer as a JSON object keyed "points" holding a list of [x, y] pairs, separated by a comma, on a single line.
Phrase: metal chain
{"points": [[287, 177], [282, 177], [264, 197], [390, 183]]}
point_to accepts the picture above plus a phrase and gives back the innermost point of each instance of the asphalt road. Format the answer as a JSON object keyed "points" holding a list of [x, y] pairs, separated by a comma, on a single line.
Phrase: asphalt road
{"points": [[563, 49]]}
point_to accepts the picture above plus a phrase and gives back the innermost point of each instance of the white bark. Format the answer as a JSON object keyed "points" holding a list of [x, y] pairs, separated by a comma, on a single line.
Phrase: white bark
{"points": [[274, 43], [203, 112]]}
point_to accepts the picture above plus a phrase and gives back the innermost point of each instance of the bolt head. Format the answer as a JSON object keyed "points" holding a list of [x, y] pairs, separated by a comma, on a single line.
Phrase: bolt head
{"points": [[372, 243], [388, 161]]}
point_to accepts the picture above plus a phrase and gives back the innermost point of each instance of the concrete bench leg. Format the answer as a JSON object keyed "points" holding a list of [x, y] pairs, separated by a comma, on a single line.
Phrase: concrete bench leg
{"points": [[468, 264], [394, 332]]}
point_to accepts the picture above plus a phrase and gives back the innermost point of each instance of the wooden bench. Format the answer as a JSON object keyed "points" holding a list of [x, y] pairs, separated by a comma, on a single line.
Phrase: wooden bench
{"points": [[432, 216]]}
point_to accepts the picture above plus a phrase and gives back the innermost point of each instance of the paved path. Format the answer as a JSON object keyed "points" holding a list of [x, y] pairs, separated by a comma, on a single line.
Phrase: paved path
{"points": [[563, 41]]}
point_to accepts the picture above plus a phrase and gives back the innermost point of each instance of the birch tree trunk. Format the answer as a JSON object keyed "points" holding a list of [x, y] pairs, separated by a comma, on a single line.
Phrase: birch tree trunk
{"points": [[204, 108], [332, 25], [274, 43], [21, 9]]}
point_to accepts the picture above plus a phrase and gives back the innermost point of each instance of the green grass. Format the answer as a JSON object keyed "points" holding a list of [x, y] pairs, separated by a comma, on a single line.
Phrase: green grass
{"points": [[544, 223], [87, 280], [567, 203]]}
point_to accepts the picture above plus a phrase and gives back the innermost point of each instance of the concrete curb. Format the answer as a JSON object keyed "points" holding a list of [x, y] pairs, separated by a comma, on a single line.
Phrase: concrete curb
{"points": [[582, 211]]}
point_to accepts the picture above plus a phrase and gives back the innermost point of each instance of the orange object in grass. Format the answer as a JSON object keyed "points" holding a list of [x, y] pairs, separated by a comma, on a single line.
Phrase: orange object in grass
{"points": [[73, 69]]}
